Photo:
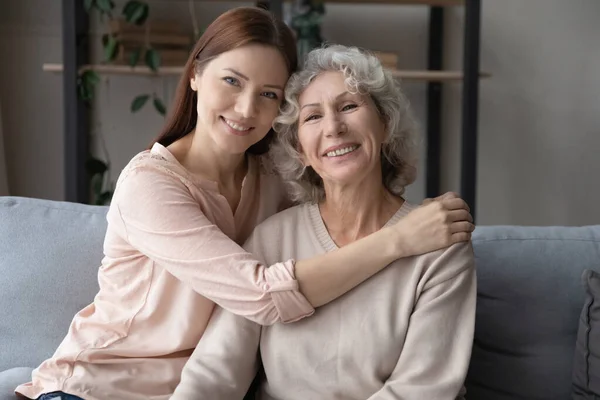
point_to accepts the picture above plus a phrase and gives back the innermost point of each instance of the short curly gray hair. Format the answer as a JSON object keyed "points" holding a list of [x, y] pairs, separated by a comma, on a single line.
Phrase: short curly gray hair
{"points": [[364, 74]]}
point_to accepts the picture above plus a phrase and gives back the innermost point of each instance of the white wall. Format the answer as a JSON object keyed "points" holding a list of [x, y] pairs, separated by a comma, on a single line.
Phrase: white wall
{"points": [[538, 120], [539, 147], [30, 34]]}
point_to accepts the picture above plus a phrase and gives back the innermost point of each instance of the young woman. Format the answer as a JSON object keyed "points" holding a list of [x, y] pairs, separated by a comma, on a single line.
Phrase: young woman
{"points": [[180, 212]]}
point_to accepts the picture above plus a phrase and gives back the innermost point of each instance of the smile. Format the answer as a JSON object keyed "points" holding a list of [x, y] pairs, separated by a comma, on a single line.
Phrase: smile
{"points": [[342, 151], [236, 126]]}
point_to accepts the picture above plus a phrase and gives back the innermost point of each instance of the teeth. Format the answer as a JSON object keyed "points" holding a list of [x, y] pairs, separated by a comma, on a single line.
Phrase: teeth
{"points": [[236, 126], [341, 152]]}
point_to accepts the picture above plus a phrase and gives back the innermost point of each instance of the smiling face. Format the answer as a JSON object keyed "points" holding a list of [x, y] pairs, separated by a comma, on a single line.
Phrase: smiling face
{"points": [[340, 133], [239, 94]]}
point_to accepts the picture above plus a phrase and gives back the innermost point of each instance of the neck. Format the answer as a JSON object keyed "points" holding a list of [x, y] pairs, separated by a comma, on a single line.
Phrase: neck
{"points": [[205, 160], [351, 212]]}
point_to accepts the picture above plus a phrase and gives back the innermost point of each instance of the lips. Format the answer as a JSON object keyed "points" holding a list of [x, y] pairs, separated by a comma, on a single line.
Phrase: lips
{"points": [[340, 149], [238, 126]]}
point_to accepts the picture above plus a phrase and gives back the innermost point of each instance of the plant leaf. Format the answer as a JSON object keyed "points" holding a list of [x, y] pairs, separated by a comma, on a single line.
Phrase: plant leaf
{"points": [[105, 6], [104, 198], [110, 48], [94, 166], [152, 59], [136, 12], [159, 106], [141, 14], [129, 8], [91, 77], [84, 92], [88, 4], [96, 183], [135, 57], [139, 102]]}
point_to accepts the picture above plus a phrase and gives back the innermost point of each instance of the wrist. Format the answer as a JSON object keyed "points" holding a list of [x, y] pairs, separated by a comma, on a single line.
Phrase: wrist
{"points": [[397, 243]]}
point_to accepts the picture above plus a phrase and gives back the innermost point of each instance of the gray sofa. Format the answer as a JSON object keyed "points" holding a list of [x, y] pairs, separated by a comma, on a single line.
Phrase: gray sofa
{"points": [[529, 295]]}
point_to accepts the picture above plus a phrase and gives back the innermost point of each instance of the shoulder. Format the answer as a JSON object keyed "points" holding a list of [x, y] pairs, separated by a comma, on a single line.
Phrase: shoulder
{"points": [[446, 264], [277, 236], [152, 169], [286, 220], [152, 179]]}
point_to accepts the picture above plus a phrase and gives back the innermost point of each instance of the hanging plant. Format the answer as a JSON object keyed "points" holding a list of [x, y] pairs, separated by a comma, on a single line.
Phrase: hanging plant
{"points": [[134, 12]]}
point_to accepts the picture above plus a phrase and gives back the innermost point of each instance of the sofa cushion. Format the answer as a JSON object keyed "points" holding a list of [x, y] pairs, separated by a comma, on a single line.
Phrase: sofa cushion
{"points": [[586, 365], [50, 254], [529, 299], [10, 379]]}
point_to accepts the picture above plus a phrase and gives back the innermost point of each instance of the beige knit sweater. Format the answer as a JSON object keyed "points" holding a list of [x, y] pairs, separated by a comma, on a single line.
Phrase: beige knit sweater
{"points": [[405, 334]]}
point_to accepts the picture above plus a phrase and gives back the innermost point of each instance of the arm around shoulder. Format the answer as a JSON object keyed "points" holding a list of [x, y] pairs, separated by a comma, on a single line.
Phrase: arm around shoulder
{"points": [[163, 221]]}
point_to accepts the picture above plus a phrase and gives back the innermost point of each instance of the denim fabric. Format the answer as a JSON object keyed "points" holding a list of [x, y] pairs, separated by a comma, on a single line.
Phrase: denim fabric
{"points": [[58, 396]]}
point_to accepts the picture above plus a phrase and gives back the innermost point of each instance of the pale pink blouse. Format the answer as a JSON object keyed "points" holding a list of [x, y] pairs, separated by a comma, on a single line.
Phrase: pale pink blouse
{"points": [[172, 250]]}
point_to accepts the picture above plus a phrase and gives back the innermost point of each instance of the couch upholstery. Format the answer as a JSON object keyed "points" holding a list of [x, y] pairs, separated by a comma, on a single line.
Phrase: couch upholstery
{"points": [[529, 295]]}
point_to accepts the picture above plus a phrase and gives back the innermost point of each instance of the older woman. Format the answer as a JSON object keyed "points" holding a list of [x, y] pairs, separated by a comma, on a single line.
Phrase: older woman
{"points": [[346, 149]]}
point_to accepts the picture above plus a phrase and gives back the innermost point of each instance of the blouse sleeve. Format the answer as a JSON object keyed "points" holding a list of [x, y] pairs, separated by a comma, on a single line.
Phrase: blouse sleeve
{"points": [[162, 220]]}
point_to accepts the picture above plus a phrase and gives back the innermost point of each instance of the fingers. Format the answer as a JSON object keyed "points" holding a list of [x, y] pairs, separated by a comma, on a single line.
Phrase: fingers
{"points": [[462, 226], [460, 215], [455, 203], [448, 195], [460, 237]]}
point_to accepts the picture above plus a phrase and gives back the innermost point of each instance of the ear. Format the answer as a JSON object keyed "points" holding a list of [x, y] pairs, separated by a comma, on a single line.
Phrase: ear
{"points": [[194, 82]]}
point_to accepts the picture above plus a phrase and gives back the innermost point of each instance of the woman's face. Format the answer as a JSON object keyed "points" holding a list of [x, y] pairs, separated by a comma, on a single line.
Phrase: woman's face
{"points": [[340, 133], [239, 93]]}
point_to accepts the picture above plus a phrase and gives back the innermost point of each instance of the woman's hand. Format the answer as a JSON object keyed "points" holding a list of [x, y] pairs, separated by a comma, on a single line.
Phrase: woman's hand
{"points": [[436, 224]]}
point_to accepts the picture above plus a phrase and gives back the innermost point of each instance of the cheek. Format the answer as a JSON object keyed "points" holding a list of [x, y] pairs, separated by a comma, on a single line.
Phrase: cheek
{"points": [[269, 111]]}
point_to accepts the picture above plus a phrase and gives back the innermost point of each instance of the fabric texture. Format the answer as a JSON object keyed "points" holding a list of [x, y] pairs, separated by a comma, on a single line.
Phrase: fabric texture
{"points": [[9, 379], [406, 333], [586, 365], [528, 306], [49, 252], [170, 253]]}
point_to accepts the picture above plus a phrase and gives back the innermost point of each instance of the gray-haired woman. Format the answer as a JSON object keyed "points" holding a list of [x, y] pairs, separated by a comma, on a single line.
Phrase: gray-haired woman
{"points": [[346, 148]]}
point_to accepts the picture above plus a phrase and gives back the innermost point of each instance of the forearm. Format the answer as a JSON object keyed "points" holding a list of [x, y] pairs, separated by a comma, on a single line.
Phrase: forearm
{"points": [[328, 276], [224, 362]]}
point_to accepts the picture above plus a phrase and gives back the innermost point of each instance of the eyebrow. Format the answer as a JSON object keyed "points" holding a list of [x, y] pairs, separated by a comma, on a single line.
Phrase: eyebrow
{"points": [[244, 77], [318, 104]]}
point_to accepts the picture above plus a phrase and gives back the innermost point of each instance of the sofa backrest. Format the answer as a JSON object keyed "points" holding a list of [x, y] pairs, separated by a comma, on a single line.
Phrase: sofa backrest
{"points": [[49, 257], [530, 296]]}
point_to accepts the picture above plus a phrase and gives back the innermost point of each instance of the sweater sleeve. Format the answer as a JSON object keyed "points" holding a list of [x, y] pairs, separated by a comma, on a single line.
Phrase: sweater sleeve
{"points": [[435, 356], [163, 221], [225, 361]]}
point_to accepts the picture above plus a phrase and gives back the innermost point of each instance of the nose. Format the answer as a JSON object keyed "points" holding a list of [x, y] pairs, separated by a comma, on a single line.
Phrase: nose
{"points": [[246, 105], [334, 126]]}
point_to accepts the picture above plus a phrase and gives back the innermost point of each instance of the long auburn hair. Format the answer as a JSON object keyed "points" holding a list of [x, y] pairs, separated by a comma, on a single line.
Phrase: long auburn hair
{"points": [[235, 28]]}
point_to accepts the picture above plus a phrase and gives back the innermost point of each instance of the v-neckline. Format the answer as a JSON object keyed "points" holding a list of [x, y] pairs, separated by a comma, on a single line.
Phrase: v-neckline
{"points": [[248, 181], [322, 233]]}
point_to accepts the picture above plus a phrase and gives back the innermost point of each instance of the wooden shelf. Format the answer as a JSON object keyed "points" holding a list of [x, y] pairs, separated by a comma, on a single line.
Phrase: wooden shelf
{"points": [[441, 3], [143, 70], [433, 75]]}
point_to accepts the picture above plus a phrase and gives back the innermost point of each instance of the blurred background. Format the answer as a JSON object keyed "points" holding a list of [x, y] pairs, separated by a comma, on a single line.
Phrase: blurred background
{"points": [[537, 148]]}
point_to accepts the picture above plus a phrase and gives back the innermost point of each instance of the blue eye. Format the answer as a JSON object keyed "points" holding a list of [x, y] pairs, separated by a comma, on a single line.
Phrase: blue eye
{"points": [[349, 107], [270, 95], [231, 81]]}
